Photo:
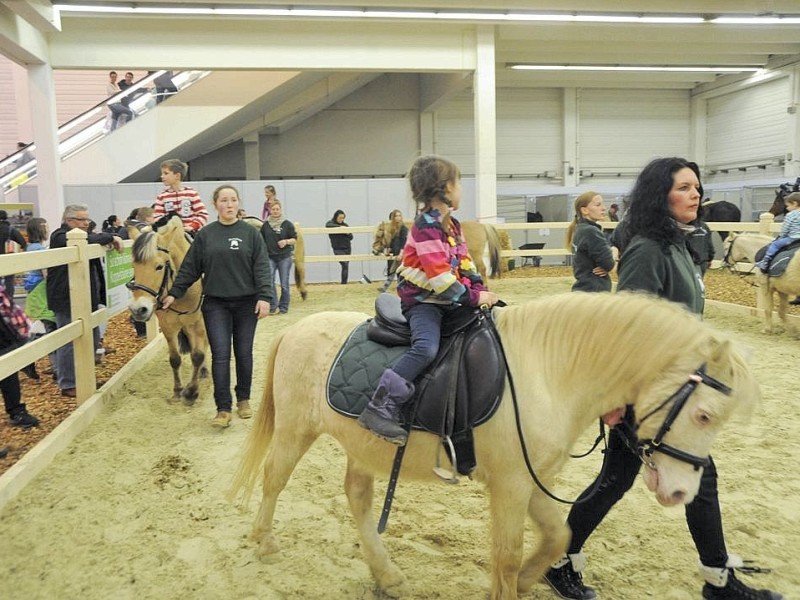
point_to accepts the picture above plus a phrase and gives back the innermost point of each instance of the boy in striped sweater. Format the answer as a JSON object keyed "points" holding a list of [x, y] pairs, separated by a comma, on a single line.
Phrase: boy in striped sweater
{"points": [[178, 198], [437, 275]]}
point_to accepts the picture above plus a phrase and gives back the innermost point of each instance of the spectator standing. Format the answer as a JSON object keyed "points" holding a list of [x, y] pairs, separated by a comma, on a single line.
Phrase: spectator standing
{"points": [[113, 225], [231, 257], [178, 198], [58, 294], [613, 213], [12, 394], [269, 198], [592, 260], [280, 237], [8, 233], [390, 239], [341, 242]]}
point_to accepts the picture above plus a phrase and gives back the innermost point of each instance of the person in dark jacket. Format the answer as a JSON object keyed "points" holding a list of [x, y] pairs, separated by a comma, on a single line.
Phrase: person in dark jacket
{"points": [[592, 260], [231, 257], [341, 242], [390, 239], [664, 203], [12, 393], [280, 237], [58, 296], [9, 233]]}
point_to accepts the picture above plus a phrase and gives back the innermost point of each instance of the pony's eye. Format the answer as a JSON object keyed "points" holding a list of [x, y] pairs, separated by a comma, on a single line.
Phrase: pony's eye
{"points": [[702, 417], [160, 268]]}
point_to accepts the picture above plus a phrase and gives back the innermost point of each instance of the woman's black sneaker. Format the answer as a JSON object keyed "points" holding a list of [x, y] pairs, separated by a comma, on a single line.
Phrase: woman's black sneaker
{"points": [[24, 419], [736, 590], [568, 583]]}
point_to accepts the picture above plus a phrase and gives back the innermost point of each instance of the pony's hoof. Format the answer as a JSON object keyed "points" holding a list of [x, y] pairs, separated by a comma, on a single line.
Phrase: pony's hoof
{"points": [[189, 395], [267, 551], [176, 398], [393, 583], [203, 373]]}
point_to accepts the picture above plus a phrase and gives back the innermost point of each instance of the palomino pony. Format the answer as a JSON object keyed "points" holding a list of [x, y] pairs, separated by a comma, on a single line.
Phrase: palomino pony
{"points": [[564, 379], [742, 247], [157, 257], [299, 255], [786, 285]]}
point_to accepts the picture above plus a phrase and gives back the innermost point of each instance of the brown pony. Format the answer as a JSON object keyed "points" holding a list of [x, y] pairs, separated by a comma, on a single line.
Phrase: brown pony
{"points": [[658, 348], [484, 237], [157, 257]]}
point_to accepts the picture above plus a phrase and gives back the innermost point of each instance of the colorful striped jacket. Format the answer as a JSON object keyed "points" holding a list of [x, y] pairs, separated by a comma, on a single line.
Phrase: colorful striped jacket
{"points": [[436, 265], [186, 202]]}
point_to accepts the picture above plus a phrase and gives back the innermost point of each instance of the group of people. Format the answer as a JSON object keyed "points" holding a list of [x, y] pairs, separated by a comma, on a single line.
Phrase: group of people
{"points": [[661, 248], [658, 248]]}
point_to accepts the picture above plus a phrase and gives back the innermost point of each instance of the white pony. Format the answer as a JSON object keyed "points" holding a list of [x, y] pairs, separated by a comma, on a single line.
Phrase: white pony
{"points": [[742, 247], [564, 379]]}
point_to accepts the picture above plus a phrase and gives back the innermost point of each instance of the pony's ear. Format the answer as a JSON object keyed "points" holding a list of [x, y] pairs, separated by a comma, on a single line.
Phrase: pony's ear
{"points": [[719, 349]]}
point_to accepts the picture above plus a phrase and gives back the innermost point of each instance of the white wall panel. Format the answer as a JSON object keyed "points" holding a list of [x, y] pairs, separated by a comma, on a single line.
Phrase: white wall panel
{"points": [[621, 128], [748, 124]]}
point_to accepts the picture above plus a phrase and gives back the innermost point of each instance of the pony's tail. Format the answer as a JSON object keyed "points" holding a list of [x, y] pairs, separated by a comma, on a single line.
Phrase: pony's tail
{"points": [[493, 243], [260, 436], [183, 342], [300, 263]]}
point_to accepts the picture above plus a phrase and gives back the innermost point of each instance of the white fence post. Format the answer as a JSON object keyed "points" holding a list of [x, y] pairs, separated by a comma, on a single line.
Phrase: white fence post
{"points": [[81, 310]]}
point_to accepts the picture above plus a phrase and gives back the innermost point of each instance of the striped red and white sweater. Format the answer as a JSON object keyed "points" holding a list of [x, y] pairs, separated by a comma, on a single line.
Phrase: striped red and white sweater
{"points": [[437, 266], [186, 202]]}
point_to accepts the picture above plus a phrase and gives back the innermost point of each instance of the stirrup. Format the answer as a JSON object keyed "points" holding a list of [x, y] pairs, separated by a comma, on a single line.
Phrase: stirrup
{"points": [[447, 475]]}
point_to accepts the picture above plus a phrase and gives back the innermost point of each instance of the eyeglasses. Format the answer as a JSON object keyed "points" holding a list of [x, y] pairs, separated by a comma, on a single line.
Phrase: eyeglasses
{"points": [[81, 219]]}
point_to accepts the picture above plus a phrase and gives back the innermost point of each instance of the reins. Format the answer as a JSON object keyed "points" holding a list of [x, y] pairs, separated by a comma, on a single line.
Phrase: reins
{"points": [[165, 283]]}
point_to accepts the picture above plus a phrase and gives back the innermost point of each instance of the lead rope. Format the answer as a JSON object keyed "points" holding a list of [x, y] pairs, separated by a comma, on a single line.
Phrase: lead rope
{"points": [[595, 487]]}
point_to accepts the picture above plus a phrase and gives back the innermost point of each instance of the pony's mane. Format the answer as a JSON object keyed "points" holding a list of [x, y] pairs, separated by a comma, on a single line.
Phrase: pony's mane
{"points": [[610, 335], [145, 247]]}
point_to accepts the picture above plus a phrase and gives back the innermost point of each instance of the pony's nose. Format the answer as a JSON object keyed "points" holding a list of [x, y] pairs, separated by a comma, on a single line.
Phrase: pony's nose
{"points": [[139, 311], [679, 496]]}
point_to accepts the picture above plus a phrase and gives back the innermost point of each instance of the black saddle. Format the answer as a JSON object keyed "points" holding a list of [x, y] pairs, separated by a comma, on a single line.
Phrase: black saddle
{"points": [[780, 262], [463, 386]]}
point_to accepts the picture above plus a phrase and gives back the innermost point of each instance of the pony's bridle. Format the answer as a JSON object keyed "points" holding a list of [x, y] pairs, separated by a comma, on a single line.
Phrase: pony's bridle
{"points": [[166, 282], [646, 447]]}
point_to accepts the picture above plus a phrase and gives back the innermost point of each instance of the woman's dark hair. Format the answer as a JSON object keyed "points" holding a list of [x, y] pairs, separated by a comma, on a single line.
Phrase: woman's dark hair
{"points": [[649, 212], [36, 228], [108, 224], [336, 214]]}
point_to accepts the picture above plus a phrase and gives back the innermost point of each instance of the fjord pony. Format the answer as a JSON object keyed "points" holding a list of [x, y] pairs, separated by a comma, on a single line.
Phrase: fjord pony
{"points": [[565, 378], [157, 257], [299, 255]]}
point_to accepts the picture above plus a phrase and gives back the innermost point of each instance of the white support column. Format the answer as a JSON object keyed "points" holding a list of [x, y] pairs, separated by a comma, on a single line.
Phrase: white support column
{"points": [[252, 157], [569, 163], [45, 135], [791, 168], [485, 126], [426, 133], [698, 149]]}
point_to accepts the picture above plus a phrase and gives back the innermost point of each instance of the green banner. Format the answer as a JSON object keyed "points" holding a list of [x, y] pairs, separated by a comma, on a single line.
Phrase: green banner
{"points": [[119, 271]]}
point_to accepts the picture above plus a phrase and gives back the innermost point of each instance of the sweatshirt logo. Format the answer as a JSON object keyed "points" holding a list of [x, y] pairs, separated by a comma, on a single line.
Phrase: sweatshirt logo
{"points": [[234, 242]]}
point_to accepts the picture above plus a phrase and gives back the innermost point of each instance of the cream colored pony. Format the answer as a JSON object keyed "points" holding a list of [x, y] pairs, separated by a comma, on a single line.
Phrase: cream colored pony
{"points": [[565, 378], [785, 286], [742, 247], [157, 257]]}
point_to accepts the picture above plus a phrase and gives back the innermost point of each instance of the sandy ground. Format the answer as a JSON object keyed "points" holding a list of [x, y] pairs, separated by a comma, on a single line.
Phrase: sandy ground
{"points": [[134, 508]]}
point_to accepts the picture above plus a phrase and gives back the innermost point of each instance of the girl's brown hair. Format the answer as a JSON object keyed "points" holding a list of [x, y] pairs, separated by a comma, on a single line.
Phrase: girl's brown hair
{"points": [[226, 186], [428, 178]]}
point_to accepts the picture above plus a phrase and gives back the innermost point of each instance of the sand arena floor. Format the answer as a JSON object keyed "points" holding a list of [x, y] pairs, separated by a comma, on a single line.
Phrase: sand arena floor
{"points": [[134, 508]]}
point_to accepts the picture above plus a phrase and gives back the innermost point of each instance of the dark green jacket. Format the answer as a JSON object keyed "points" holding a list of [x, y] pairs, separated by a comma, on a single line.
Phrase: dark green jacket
{"points": [[590, 249], [232, 259], [667, 273], [272, 237]]}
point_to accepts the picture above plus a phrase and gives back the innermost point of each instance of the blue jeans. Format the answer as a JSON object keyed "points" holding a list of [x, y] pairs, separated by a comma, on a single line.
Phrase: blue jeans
{"points": [[226, 319], [281, 268], [425, 321], [65, 355], [776, 246]]}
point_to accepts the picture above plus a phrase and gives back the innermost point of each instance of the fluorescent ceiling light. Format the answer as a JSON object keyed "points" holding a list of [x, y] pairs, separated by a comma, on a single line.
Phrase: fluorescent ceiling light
{"points": [[358, 13], [672, 69], [756, 20]]}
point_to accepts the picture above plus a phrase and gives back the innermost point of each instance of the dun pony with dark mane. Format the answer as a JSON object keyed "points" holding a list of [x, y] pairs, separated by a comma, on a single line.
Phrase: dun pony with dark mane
{"points": [[157, 257], [564, 379]]}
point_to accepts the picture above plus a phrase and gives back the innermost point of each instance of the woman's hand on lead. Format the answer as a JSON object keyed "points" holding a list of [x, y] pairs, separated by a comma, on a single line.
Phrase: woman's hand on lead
{"points": [[166, 302], [487, 298]]}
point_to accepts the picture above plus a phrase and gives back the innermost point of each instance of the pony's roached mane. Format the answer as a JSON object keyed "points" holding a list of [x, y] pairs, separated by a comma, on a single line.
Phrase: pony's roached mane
{"points": [[145, 247]]}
